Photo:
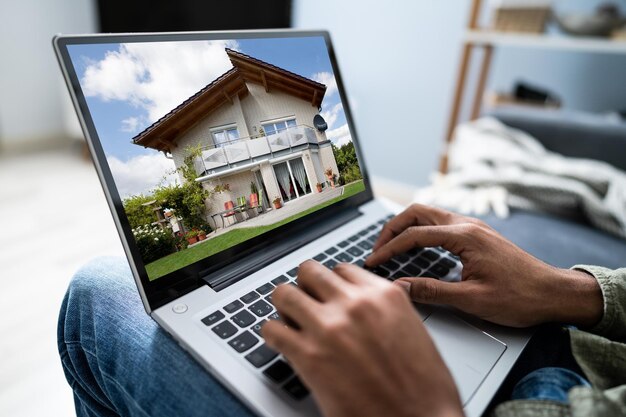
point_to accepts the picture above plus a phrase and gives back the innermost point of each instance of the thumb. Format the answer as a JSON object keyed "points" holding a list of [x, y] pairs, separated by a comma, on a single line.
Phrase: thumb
{"points": [[433, 291]]}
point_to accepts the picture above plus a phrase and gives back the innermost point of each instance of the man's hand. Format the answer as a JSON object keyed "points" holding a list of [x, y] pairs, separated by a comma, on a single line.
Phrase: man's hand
{"points": [[358, 344], [500, 282]]}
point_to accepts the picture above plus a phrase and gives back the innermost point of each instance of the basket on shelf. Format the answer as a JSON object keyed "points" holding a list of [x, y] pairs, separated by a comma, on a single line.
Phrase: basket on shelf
{"points": [[521, 19]]}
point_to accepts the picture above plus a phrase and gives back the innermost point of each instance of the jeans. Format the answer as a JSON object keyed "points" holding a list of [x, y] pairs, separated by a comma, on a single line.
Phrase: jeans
{"points": [[118, 361]]}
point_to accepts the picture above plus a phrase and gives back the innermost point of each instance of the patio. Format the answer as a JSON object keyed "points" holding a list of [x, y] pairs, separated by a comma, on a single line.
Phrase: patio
{"points": [[273, 216]]}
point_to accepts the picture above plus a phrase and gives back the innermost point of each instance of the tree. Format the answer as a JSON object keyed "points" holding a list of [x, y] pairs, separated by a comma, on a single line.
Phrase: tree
{"points": [[347, 162], [137, 213]]}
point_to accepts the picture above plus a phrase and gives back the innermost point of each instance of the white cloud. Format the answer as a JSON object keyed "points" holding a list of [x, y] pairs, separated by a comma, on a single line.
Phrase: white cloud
{"points": [[331, 115], [339, 136], [156, 77], [328, 79], [142, 173], [130, 124]]}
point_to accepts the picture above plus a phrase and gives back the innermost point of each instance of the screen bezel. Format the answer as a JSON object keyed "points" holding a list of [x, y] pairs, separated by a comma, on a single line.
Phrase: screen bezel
{"points": [[175, 284]]}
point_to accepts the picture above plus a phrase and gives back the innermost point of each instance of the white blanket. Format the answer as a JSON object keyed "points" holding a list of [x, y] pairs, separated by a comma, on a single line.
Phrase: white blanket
{"points": [[495, 167]]}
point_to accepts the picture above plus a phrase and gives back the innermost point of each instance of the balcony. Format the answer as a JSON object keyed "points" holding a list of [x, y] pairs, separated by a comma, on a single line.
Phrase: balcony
{"points": [[244, 150]]}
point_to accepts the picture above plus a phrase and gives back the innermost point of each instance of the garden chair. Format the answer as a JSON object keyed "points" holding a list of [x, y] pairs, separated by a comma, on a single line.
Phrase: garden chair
{"points": [[229, 205]]}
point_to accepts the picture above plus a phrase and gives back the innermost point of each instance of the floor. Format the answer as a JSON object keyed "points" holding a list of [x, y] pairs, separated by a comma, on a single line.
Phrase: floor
{"points": [[54, 219]]}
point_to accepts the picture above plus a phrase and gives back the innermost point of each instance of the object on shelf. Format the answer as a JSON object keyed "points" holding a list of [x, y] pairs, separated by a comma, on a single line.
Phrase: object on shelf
{"points": [[619, 34], [525, 94], [493, 100], [521, 16], [606, 20]]}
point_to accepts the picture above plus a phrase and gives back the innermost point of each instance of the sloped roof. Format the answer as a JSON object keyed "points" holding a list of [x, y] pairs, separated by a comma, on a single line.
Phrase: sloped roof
{"points": [[163, 134]]}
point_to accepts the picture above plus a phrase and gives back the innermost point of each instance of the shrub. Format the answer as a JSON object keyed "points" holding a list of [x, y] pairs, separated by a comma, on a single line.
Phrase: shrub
{"points": [[153, 242]]}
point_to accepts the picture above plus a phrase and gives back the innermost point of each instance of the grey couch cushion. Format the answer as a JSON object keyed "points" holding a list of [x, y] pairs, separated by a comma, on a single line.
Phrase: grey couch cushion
{"points": [[561, 243]]}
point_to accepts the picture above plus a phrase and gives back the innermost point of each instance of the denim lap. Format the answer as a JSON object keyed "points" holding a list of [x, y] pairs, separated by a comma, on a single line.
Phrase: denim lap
{"points": [[551, 384], [119, 362]]}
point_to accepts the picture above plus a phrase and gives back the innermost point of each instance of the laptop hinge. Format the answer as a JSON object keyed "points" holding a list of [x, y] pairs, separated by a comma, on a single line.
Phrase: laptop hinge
{"points": [[256, 260]]}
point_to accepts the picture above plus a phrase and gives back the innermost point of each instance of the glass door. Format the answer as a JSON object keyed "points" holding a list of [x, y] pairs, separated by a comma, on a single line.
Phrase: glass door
{"points": [[292, 179]]}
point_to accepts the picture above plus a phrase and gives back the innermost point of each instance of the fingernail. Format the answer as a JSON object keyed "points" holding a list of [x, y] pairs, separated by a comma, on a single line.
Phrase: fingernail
{"points": [[405, 285]]}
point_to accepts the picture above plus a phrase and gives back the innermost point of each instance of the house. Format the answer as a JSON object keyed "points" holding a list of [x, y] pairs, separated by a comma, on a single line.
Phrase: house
{"points": [[254, 124]]}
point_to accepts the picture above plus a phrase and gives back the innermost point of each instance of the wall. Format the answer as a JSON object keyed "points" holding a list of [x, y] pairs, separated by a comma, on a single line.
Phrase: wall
{"points": [[399, 62], [34, 103]]}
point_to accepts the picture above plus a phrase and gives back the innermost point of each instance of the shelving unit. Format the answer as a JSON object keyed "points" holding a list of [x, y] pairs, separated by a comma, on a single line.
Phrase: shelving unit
{"points": [[488, 40]]}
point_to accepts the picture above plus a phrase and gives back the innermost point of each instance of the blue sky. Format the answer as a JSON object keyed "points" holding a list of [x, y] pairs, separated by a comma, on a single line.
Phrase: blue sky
{"points": [[129, 86]]}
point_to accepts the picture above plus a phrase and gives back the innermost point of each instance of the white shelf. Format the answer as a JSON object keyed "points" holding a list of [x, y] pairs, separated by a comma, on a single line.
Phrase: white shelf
{"points": [[542, 41]]}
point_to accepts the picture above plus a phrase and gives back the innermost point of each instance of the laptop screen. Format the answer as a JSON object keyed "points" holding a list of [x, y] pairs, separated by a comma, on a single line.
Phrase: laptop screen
{"points": [[213, 143]]}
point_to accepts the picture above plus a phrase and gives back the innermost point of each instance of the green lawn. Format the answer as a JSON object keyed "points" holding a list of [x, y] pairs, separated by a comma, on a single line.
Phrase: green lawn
{"points": [[188, 256]]}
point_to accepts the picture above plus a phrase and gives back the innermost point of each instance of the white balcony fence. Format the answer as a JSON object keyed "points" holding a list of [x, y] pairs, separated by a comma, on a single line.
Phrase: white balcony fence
{"points": [[245, 149]]}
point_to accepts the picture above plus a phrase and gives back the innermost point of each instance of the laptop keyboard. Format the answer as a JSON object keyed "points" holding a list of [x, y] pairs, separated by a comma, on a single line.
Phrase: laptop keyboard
{"points": [[239, 322]]}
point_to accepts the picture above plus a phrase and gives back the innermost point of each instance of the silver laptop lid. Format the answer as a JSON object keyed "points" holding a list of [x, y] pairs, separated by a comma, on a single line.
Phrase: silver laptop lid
{"points": [[218, 152]]}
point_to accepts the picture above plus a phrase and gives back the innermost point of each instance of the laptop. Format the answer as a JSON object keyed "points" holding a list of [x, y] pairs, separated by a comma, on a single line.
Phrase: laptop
{"points": [[227, 159]]}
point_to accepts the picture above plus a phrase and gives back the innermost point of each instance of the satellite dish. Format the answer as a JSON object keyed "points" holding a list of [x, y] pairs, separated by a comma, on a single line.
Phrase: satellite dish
{"points": [[319, 123]]}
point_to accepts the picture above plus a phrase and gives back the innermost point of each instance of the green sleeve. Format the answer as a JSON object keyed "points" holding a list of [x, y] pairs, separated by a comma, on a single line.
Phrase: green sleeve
{"points": [[613, 286]]}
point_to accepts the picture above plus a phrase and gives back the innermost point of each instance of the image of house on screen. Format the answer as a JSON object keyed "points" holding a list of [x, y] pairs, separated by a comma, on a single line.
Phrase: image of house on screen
{"points": [[254, 125]]}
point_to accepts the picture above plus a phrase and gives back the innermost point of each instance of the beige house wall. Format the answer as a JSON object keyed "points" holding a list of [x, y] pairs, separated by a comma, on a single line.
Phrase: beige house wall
{"points": [[239, 185], [328, 159], [260, 107], [200, 133]]}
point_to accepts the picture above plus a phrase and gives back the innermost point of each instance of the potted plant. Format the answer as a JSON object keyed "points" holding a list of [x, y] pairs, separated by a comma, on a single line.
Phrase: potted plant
{"points": [[254, 194], [277, 202], [192, 237], [319, 187], [329, 174], [201, 234]]}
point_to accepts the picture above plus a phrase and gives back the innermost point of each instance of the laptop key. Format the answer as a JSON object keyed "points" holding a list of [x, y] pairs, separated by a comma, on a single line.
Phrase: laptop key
{"points": [[372, 239], [448, 263], [261, 355], [402, 258], [293, 272], [234, 306], [343, 244], [391, 265], [265, 289], [280, 280], [353, 238], [278, 371], [224, 329], [330, 264], [296, 389], [359, 262], [421, 262], [243, 342], [331, 251], [257, 327], [439, 270], [430, 255], [269, 299], [354, 251], [320, 257], [250, 297], [274, 316], [243, 318], [363, 232], [372, 227], [380, 271], [261, 308], [412, 269], [344, 257], [365, 244], [213, 318]]}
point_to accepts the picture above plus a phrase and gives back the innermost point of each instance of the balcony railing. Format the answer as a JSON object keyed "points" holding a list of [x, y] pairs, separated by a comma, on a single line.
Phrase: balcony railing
{"points": [[247, 149]]}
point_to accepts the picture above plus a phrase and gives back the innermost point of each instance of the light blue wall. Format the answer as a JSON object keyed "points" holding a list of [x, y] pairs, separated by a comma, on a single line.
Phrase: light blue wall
{"points": [[399, 62]]}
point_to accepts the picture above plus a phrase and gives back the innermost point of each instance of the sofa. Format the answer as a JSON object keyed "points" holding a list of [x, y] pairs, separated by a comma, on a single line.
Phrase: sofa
{"points": [[557, 241]]}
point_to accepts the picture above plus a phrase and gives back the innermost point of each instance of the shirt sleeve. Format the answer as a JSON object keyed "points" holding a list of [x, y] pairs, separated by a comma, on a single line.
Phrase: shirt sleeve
{"points": [[613, 285]]}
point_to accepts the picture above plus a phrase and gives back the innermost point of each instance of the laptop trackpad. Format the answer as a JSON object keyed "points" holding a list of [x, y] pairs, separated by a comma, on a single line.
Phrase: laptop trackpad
{"points": [[469, 353]]}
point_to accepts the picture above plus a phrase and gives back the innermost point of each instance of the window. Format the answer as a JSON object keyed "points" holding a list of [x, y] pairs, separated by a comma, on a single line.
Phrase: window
{"points": [[275, 127], [223, 136]]}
